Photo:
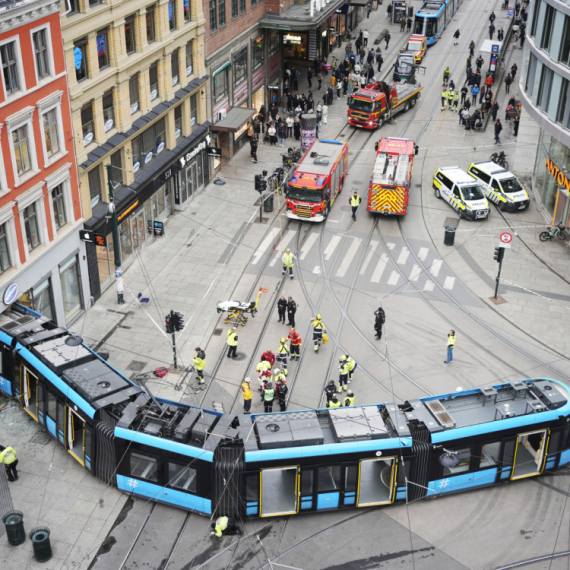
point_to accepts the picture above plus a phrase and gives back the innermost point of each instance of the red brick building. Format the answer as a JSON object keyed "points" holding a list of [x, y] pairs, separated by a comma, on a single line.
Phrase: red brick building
{"points": [[42, 260]]}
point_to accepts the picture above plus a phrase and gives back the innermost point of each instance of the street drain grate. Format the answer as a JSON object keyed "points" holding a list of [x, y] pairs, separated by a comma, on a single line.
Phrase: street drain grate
{"points": [[136, 366], [217, 332]]}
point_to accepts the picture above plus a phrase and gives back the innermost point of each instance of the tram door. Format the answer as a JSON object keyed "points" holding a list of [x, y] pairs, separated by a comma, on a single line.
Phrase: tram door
{"points": [[29, 391], [75, 435], [280, 491], [377, 481], [530, 453]]}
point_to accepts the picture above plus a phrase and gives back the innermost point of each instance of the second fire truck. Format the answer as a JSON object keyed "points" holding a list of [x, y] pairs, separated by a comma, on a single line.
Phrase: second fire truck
{"points": [[390, 183]]}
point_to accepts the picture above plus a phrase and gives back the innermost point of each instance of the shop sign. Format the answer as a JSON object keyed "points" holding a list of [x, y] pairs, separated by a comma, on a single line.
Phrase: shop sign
{"points": [[87, 236], [177, 190], [153, 94], [128, 210], [166, 175], [189, 70], [88, 138], [324, 34], [273, 87], [158, 228], [193, 121], [561, 178], [177, 133], [109, 124], [136, 166], [214, 151], [160, 147], [292, 39], [100, 239], [148, 157], [11, 294], [190, 155]]}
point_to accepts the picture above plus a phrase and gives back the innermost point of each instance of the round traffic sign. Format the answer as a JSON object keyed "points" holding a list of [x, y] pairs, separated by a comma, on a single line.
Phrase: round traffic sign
{"points": [[506, 237]]}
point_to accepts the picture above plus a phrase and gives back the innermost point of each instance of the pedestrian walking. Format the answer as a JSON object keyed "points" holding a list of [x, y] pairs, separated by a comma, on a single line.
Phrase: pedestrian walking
{"points": [[343, 371], [310, 77], [232, 342], [498, 129], [295, 344], [368, 10], [354, 202], [247, 395], [516, 121], [330, 391], [450, 97], [387, 38], [403, 24], [491, 31], [481, 94], [380, 319], [508, 81], [456, 37], [494, 111], [282, 389], [320, 80], [479, 62], [319, 331], [365, 37], [522, 39], [283, 354], [348, 399], [379, 61], [464, 92], [268, 396], [253, 143], [297, 128], [362, 55], [409, 24], [500, 34], [199, 364], [10, 460], [492, 17], [450, 346], [281, 309], [291, 310], [225, 526], [514, 68], [471, 48], [325, 113]]}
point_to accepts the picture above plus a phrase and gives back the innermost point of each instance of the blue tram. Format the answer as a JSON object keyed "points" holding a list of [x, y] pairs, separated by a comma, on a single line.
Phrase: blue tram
{"points": [[281, 463], [432, 18]]}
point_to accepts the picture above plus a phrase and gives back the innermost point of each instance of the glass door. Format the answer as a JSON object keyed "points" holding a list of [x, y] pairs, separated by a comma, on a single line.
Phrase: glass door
{"points": [[29, 387], [530, 452], [75, 435]]}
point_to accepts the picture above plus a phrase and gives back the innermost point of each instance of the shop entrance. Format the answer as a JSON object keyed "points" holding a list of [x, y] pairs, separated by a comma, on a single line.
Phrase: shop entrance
{"points": [[138, 229]]}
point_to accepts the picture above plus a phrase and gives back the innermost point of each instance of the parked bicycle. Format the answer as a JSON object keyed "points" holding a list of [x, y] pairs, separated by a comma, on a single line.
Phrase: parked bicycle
{"points": [[552, 233], [500, 159]]}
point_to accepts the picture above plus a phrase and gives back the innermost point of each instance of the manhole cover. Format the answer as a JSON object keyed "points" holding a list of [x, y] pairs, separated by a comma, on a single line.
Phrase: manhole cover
{"points": [[136, 365], [217, 332]]}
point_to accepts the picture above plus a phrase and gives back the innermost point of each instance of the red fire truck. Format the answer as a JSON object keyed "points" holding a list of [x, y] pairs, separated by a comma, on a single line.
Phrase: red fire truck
{"points": [[317, 180], [390, 182], [368, 108]]}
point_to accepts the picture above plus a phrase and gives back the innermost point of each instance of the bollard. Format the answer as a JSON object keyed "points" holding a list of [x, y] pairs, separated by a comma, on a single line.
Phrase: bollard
{"points": [[268, 203], [449, 238], [40, 541], [14, 521]]}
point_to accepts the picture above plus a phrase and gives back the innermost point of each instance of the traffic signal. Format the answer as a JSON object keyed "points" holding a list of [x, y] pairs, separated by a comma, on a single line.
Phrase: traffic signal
{"points": [[260, 183], [499, 253], [178, 321], [169, 325]]}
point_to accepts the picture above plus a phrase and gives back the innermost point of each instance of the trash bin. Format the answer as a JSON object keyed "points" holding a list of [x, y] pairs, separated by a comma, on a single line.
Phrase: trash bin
{"points": [[268, 203], [14, 521], [449, 238], [40, 541]]}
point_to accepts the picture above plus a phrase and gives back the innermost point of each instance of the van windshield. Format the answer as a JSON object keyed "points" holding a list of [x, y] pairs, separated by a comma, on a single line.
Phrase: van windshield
{"points": [[472, 192], [511, 185]]}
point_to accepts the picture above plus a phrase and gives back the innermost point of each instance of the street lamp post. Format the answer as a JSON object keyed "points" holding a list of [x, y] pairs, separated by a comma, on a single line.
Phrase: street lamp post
{"points": [[115, 230]]}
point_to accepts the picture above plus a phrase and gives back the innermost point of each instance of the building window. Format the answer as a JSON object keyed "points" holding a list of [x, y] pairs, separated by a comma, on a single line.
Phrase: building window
{"points": [[253, 3], [565, 47], [49, 120], [22, 150], [95, 2], [175, 67], [94, 177], [58, 203], [116, 169], [564, 102], [10, 67], [234, 9], [130, 36], [240, 66], [153, 79], [242, 6], [178, 121], [273, 42], [134, 93], [39, 298], [547, 28], [222, 13], [187, 11], [189, 58], [41, 53], [87, 124], [31, 227], [213, 16], [103, 48], [108, 110], [80, 59], [221, 85], [70, 288], [149, 144], [257, 52], [150, 29], [73, 6], [4, 250], [172, 15], [160, 136], [193, 109]]}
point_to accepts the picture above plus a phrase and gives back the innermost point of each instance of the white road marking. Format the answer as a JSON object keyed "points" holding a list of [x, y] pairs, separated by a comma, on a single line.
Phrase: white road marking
{"points": [[373, 246], [394, 278], [403, 257], [317, 270], [332, 246], [376, 276], [415, 273], [422, 254], [308, 245], [260, 252], [448, 283], [289, 235], [345, 264], [390, 246], [429, 286], [436, 267]]}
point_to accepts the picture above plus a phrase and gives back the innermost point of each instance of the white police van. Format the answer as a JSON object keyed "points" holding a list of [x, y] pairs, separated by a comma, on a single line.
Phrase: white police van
{"points": [[500, 186], [461, 191]]}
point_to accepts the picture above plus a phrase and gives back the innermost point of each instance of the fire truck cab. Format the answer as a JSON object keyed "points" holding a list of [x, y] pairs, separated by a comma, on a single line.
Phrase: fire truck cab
{"points": [[317, 180]]}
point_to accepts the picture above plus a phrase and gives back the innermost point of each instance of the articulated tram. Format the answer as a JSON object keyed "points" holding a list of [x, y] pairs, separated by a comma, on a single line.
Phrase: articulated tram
{"points": [[281, 463], [432, 18]]}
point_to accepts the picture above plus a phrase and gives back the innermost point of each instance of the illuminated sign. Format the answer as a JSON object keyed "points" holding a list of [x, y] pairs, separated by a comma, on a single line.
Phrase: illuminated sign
{"points": [[559, 176], [128, 210], [291, 39], [190, 155]]}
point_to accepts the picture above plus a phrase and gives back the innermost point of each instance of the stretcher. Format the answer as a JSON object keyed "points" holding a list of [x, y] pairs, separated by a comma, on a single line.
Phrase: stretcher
{"points": [[237, 310]]}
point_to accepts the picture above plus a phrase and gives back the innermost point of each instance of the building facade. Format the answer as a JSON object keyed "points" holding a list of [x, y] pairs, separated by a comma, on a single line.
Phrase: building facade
{"points": [[42, 259], [545, 94], [138, 103]]}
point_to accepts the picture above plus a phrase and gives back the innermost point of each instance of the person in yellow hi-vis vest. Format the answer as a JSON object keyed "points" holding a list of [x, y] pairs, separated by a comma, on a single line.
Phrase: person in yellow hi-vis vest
{"points": [[288, 262], [199, 364], [319, 331], [8, 457], [225, 526], [450, 346], [232, 343]]}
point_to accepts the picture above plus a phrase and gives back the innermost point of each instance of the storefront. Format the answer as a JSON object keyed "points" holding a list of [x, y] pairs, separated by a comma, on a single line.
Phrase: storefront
{"points": [[296, 45], [231, 133]]}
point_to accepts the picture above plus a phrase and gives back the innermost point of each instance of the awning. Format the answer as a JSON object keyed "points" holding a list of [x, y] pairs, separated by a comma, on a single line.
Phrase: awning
{"points": [[234, 120], [358, 2]]}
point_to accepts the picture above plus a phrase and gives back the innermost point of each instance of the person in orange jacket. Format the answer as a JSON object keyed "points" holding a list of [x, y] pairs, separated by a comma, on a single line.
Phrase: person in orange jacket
{"points": [[296, 343]]}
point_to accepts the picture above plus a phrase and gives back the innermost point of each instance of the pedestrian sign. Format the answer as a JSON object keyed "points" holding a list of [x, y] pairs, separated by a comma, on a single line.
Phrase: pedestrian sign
{"points": [[506, 237]]}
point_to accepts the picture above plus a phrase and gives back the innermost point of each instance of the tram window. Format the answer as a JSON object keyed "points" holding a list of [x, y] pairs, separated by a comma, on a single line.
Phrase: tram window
{"points": [[464, 459], [490, 453], [252, 487], [143, 467], [404, 468], [88, 440], [329, 478], [41, 401], [306, 483], [51, 406], [565, 444], [350, 478], [419, 26], [431, 27], [181, 477], [553, 443]]}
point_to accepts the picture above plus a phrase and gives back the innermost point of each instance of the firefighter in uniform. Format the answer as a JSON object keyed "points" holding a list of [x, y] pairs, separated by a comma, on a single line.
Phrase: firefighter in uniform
{"points": [[8, 457], [335, 402], [343, 371], [354, 202], [247, 395], [283, 354], [268, 397], [450, 95], [296, 344], [225, 526], [330, 391], [319, 329], [269, 356], [199, 364], [288, 263], [281, 387], [446, 76], [263, 373], [348, 399], [352, 366]]}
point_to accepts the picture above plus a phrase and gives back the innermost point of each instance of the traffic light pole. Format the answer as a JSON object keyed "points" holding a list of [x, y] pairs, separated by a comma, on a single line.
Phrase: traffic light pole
{"points": [[116, 245], [173, 340], [499, 274]]}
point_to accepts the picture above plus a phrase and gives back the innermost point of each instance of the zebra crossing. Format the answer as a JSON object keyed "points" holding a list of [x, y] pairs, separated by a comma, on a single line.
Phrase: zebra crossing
{"points": [[394, 270]]}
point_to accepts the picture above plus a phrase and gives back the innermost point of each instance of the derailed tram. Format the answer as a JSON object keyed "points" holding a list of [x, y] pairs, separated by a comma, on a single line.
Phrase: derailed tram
{"points": [[281, 463]]}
